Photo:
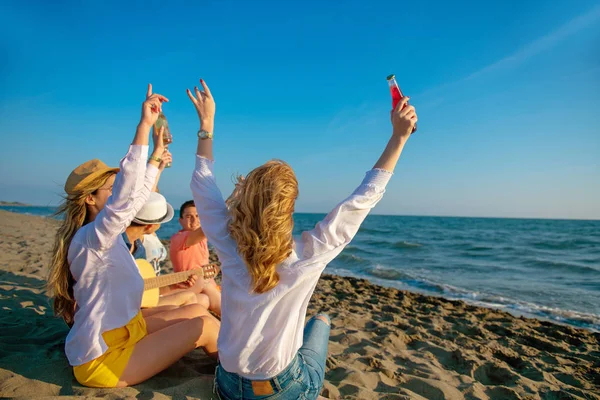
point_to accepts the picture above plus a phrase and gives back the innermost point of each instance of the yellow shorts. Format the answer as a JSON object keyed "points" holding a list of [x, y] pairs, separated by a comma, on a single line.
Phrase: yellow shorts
{"points": [[106, 370]]}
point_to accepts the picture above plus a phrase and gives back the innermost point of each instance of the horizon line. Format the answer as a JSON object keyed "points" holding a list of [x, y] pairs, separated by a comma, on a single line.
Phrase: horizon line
{"points": [[388, 215]]}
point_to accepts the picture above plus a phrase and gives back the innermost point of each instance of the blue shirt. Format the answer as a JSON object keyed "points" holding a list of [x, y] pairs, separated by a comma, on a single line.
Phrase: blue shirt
{"points": [[140, 251]]}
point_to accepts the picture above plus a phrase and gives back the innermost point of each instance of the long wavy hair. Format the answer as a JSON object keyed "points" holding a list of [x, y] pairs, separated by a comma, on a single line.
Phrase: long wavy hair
{"points": [[60, 280], [261, 209]]}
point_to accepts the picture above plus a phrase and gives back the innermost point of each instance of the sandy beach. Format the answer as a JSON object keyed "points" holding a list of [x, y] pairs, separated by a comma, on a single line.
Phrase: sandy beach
{"points": [[384, 344]]}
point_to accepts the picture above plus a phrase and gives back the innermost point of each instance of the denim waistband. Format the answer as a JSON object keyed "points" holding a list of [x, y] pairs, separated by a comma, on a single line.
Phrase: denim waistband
{"points": [[278, 382]]}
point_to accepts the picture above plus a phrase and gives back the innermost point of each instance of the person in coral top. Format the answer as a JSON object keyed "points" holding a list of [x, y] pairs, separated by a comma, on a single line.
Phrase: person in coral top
{"points": [[189, 250]]}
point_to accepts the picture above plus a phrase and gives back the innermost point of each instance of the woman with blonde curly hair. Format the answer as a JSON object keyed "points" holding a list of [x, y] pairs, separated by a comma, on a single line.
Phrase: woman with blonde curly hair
{"points": [[268, 277], [94, 281]]}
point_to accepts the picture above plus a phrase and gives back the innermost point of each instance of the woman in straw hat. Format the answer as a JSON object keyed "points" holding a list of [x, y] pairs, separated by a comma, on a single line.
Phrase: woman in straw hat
{"points": [[265, 351], [95, 283]]}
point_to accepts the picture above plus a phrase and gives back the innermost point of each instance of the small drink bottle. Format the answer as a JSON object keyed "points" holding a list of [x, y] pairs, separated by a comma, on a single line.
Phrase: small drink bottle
{"points": [[396, 93], [167, 137]]}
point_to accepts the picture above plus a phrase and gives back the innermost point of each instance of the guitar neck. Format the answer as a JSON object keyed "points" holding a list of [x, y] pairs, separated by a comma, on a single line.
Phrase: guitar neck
{"points": [[171, 279]]}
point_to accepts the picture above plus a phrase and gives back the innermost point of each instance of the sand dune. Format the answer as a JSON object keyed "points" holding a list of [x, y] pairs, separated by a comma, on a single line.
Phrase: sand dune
{"points": [[385, 343]]}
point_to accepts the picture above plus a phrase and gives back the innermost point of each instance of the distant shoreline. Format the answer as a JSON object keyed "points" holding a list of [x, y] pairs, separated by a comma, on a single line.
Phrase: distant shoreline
{"points": [[14, 204]]}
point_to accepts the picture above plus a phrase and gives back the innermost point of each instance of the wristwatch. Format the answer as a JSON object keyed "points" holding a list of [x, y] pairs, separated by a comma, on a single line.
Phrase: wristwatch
{"points": [[202, 134]]}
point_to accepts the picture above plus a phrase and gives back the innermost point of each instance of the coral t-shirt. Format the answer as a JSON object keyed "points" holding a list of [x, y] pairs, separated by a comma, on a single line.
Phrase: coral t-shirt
{"points": [[185, 257]]}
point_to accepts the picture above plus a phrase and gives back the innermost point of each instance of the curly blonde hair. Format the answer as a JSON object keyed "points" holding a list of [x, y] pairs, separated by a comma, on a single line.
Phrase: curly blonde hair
{"points": [[261, 209], [60, 280]]}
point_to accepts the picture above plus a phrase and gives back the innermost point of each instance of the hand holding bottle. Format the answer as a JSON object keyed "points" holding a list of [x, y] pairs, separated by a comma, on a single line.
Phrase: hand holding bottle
{"points": [[396, 94], [404, 119]]}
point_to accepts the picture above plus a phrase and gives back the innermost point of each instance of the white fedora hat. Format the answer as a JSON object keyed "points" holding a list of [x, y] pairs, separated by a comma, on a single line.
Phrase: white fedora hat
{"points": [[155, 211]]}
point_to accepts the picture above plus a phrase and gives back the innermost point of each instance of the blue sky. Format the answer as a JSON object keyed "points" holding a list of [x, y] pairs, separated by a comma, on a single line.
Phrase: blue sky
{"points": [[508, 96]]}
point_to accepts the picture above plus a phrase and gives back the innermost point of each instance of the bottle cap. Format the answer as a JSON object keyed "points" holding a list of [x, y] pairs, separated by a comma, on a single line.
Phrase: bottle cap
{"points": [[390, 77]]}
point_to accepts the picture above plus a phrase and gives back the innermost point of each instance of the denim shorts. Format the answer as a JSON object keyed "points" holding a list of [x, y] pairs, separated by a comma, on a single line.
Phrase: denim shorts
{"points": [[301, 379]]}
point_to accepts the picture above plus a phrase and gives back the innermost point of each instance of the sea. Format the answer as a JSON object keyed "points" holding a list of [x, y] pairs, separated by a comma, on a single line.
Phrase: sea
{"points": [[542, 268]]}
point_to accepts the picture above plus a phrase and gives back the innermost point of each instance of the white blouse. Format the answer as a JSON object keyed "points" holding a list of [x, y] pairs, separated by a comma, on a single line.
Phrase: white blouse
{"points": [[109, 287], [261, 333]]}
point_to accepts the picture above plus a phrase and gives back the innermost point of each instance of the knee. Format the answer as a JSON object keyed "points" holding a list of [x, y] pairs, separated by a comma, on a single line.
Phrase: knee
{"points": [[207, 327], [323, 317], [210, 323], [203, 300], [196, 310], [190, 298]]}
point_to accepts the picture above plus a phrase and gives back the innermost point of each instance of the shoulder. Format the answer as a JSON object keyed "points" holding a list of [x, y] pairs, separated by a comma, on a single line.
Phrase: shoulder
{"points": [[180, 234], [178, 239]]}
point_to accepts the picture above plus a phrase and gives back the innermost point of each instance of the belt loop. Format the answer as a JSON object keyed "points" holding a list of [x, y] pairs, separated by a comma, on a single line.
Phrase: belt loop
{"points": [[215, 390], [275, 382]]}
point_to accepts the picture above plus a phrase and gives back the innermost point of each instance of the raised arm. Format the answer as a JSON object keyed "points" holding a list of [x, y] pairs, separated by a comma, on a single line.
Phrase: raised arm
{"points": [[404, 118], [332, 234], [205, 107], [165, 159], [151, 176], [134, 181], [207, 196], [194, 237]]}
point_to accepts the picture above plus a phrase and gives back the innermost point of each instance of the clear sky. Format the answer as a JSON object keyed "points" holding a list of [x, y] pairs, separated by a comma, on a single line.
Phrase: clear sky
{"points": [[507, 92]]}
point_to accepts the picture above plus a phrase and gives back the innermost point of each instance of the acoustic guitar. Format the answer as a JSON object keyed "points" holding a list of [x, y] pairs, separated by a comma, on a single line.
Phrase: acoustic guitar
{"points": [[153, 283]]}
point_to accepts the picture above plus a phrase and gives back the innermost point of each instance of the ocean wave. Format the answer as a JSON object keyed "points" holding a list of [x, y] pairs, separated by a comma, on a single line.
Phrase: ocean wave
{"points": [[575, 318], [358, 250], [374, 231], [568, 244], [562, 266], [400, 279], [406, 245], [386, 273], [352, 260], [478, 248], [404, 277], [426, 286], [401, 244]]}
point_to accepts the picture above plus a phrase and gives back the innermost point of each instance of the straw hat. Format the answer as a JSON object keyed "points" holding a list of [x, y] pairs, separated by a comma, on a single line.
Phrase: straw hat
{"points": [[85, 173], [156, 210]]}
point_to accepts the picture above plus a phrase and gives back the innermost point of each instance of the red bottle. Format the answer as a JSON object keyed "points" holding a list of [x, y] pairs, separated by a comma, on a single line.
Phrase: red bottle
{"points": [[396, 93]]}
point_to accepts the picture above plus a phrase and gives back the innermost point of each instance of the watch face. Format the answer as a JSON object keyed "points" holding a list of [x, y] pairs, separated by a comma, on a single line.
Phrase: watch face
{"points": [[204, 135]]}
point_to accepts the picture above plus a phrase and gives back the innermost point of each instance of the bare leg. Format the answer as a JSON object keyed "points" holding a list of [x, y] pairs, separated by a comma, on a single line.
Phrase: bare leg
{"points": [[207, 293], [189, 324], [182, 298], [203, 300], [156, 322], [146, 312], [164, 347], [214, 295]]}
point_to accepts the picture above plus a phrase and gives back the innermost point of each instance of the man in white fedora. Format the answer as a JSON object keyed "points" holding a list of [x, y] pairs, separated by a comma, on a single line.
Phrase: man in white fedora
{"points": [[155, 212]]}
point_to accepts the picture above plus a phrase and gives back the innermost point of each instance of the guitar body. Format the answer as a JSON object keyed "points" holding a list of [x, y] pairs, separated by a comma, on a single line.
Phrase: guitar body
{"points": [[151, 296]]}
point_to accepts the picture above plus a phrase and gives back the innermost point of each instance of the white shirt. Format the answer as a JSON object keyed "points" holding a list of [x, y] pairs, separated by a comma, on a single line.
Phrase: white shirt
{"points": [[156, 252], [109, 287], [261, 333]]}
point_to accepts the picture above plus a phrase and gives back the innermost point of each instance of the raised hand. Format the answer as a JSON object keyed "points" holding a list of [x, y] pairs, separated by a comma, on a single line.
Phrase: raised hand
{"points": [[166, 158], [205, 106], [151, 107], [404, 118], [159, 143]]}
